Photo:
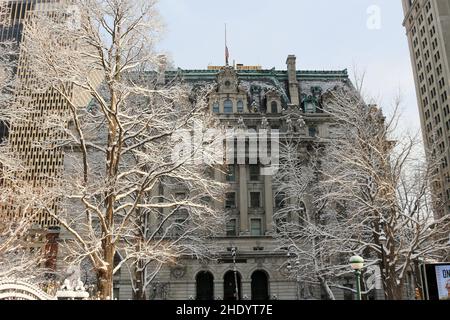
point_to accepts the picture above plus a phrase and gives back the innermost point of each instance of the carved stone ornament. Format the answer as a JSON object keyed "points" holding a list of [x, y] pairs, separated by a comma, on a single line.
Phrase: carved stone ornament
{"points": [[259, 262], [265, 123], [254, 107], [228, 80], [178, 272], [241, 124]]}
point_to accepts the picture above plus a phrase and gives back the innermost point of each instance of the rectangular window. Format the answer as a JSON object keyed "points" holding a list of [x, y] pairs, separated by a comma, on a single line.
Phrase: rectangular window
{"points": [[216, 107], [206, 200], [231, 173], [312, 131], [180, 224], [280, 201], [240, 106], [255, 200], [116, 292], [274, 107], [230, 200], [180, 196], [232, 228], [255, 225], [254, 173]]}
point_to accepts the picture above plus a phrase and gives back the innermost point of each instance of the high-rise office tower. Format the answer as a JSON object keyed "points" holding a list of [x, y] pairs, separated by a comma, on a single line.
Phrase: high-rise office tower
{"points": [[427, 24], [25, 136]]}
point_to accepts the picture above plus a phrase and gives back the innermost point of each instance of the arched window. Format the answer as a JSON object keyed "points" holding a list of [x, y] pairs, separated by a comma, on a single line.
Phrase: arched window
{"points": [[205, 285], [216, 107], [240, 106], [260, 285], [231, 284], [274, 107], [228, 106], [310, 106]]}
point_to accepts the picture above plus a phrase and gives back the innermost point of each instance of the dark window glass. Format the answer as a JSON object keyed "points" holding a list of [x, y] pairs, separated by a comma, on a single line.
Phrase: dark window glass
{"points": [[231, 174], [254, 173], [240, 106], [274, 107], [228, 106], [312, 131], [231, 228], [230, 200], [256, 228], [216, 107], [254, 200]]}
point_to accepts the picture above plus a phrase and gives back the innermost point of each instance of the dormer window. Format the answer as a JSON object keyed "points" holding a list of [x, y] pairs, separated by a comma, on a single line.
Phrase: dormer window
{"points": [[310, 107], [228, 106], [240, 106], [216, 107], [274, 107]]}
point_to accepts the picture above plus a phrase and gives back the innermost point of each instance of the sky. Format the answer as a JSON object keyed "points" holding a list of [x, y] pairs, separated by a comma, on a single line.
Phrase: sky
{"points": [[366, 35]]}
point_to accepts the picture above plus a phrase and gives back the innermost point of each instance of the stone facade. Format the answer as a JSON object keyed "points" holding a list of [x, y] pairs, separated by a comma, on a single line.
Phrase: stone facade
{"points": [[255, 99]]}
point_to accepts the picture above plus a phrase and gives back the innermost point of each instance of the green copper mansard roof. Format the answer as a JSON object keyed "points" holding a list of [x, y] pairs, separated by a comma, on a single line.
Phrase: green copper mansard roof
{"points": [[199, 74], [310, 83]]}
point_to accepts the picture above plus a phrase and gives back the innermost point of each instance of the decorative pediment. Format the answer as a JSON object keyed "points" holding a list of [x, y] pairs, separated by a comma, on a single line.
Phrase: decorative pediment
{"points": [[310, 104], [273, 94], [227, 81]]}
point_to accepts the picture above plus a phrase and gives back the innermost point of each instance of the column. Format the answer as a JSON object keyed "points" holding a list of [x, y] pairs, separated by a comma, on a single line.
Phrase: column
{"points": [[218, 288], [243, 199], [152, 217], [268, 202], [218, 176]]}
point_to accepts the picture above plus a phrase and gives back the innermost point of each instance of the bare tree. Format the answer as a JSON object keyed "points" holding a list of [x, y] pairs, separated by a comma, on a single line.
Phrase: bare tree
{"points": [[137, 183], [370, 194], [313, 229]]}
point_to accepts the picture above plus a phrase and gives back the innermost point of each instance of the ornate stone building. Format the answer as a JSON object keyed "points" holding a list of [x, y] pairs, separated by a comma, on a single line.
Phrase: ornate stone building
{"points": [[250, 258]]}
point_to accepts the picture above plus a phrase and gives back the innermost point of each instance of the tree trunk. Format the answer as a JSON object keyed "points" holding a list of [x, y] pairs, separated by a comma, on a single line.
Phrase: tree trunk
{"points": [[106, 277], [324, 285], [139, 282], [105, 284], [393, 290]]}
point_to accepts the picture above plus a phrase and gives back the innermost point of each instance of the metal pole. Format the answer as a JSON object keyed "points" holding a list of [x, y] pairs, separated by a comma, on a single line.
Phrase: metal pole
{"points": [[358, 284], [236, 287]]}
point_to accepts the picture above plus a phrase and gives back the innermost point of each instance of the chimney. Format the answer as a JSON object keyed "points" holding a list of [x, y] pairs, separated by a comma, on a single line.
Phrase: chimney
{"points": [[162, 65], [292, 80]]}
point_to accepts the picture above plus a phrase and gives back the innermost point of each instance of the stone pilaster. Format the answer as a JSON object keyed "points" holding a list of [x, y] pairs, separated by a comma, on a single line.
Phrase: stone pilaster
{"points": [[268, 202], [243, 199]]}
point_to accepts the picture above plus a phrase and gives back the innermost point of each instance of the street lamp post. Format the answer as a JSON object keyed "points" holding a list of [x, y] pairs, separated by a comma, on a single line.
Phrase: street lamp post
{"points": [[383, 241], [236, 285], [357, 263]]}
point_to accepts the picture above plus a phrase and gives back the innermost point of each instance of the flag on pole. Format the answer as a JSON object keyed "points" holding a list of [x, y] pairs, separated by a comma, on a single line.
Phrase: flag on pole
{"points": [[227, 53]]}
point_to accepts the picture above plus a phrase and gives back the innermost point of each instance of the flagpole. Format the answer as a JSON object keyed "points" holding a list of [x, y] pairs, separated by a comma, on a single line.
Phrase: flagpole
{"points": [[226, 46]]}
